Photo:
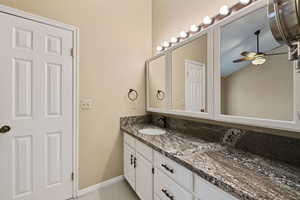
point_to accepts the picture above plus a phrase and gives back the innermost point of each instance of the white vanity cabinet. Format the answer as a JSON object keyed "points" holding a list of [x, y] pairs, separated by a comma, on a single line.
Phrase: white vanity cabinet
{"points": [[129, 167], [138, 167], [153, 176], [167, 189], [181, 175]]}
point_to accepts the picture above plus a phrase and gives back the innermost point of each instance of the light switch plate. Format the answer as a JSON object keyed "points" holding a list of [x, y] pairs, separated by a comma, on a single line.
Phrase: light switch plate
{"points": [[86, 104]]}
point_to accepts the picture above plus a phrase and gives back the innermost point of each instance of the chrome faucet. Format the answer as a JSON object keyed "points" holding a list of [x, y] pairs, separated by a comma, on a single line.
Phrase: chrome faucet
{"points": [[163, 120]]}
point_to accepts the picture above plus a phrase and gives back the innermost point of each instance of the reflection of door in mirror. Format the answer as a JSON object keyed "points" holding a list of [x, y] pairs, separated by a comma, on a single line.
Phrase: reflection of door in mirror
{"points": [[189, 79], [256, 78], [157, 82], [194, 86]]}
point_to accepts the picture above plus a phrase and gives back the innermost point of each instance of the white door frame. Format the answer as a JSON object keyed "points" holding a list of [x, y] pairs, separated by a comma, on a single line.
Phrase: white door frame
{"points": [[75, 31], [200, 65]]}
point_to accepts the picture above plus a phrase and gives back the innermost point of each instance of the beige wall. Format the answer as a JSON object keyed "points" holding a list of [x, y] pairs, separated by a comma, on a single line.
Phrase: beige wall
{"points": [[115, 40], [264, 91], [195, 51], [172, 16], [157, 81]]}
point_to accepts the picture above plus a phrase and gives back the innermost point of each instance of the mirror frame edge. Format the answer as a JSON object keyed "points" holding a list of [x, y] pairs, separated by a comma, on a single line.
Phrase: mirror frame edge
{"points": [[293, 125]]}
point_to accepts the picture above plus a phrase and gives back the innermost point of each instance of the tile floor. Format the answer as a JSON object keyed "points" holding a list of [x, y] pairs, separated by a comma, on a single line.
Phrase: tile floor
{"points": [[117, 191]]}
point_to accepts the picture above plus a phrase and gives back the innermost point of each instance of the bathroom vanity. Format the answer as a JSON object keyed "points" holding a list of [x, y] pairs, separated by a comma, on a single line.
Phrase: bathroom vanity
{"points": [[152, 175], [202, 162]]}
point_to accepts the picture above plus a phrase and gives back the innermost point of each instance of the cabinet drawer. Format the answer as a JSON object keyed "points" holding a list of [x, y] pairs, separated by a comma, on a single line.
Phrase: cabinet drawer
{"points": [[178, 173], [166, 189], [129, 140], [206, 190], [144, 150]]}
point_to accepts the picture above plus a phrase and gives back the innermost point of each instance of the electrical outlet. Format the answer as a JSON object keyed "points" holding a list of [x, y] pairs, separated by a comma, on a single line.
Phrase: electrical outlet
{"points": [[86, 104]]}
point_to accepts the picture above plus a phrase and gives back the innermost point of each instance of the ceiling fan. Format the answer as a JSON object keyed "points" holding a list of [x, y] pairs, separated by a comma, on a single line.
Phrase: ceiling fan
{"points": [[257, 58]]}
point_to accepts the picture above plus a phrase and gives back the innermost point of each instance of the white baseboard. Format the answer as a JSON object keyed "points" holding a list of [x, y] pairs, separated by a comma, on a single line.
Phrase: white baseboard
{"points": [[100, 185]]}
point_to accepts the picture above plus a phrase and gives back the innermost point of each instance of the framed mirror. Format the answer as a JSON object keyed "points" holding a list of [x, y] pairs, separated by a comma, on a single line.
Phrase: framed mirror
{"points": [[192, 75], [254, 80], [156, 83]]}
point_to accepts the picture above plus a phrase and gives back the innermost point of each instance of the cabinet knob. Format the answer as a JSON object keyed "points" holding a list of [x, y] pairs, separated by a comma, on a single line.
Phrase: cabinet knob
{"points": [[131, 159], [134, 162], [171, 197], [167, 168]]}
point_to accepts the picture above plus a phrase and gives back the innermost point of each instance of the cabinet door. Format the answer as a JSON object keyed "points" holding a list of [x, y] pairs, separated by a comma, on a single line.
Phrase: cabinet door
{"points": [[144, 178], [129, 166]]}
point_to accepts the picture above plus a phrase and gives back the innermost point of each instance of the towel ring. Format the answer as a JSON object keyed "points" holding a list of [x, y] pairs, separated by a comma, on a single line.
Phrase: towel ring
{"points": [[135, 95], [160, 95]]}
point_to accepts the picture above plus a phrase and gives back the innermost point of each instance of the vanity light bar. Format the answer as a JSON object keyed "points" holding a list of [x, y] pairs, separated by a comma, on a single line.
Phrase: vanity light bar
{"points": [[207, 21]]}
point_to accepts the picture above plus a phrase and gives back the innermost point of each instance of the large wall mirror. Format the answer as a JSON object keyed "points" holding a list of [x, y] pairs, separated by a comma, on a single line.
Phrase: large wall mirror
{"points": [[189, 76], [157, 82], [233, 71], [256, 76]]}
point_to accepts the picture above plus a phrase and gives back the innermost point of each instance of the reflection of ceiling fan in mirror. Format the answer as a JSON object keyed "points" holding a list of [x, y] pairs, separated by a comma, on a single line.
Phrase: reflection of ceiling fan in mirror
{"points": [[257, 58]]}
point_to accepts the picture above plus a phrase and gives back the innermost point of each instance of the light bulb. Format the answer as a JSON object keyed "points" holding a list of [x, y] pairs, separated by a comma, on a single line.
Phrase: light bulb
{"points": [[224, 10], [194, 28], [159, 48], [166, 44], [183, 34], [207, 20], [245, 2], [174, 39], [259, 60]]}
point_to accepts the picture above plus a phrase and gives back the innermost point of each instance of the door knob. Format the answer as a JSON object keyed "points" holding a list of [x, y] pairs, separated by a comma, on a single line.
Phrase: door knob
{"points": [[4, 129]]}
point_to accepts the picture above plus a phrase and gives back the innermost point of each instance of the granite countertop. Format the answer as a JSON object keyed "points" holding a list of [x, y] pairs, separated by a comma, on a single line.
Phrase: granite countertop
{"points": [[243, 175]]}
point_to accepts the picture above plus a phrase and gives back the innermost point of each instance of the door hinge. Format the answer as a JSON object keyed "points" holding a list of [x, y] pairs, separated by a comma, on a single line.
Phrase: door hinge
{"points": [[152, 170], [72, 52], [72, 176]]}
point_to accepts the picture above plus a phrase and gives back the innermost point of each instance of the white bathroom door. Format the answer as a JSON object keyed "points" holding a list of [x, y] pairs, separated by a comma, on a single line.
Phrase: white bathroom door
{"points": [[36, 103], [195, 87]]}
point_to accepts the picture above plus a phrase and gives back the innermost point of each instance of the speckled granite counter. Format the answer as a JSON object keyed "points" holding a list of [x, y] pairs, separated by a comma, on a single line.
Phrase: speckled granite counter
{"points": [[243, 175]]}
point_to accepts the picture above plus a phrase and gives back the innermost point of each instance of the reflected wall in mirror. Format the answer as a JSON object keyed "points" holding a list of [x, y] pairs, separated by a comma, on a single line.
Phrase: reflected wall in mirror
{"points": [[256, 76], [157, 82], [189, 76]]}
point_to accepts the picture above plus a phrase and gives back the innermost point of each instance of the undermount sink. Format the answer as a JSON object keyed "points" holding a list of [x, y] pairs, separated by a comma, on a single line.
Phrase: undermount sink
{"points": [[152, 131]]}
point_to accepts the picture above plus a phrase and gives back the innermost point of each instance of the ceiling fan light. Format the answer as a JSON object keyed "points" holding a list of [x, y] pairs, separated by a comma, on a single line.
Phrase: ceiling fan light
{"points": [[259, 60]]}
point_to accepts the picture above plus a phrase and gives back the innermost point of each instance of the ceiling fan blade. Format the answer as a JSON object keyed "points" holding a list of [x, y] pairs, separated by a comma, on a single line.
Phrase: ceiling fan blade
{"points": [[249, 54], [276, 54], [243, 59]]}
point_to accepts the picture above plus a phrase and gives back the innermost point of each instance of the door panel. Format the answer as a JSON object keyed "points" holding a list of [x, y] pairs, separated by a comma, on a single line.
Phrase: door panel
{"points": [[129, 169], [22, 166], [37, 103], [144, 178], [195, 86]]}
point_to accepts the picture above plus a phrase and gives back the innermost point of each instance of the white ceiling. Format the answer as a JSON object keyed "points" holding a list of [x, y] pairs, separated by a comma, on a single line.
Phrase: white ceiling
{"points": [[238, 36]]}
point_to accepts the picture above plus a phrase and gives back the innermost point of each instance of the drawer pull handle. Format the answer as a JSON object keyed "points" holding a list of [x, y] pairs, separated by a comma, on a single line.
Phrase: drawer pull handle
{"points": [[131, 159], [134, 163], [167, 168], [167, 194]]}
